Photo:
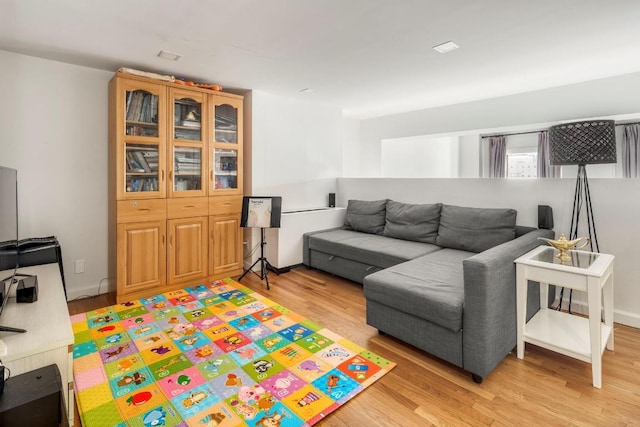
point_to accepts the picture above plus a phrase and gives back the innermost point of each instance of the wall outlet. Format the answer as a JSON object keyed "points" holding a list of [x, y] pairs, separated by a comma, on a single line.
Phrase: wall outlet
{"points": [[79, 266]]}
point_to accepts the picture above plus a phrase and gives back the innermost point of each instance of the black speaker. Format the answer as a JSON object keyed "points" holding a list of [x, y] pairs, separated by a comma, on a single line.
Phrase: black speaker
{"points": [[332, 200], [2, 380], [545, 217], [27, 290]]}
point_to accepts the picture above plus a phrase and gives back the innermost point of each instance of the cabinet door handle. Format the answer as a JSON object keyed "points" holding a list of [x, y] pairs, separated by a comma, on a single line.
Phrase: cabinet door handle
{"points": [[144, 209], [189, 206], [162, 175], [170, 176]]}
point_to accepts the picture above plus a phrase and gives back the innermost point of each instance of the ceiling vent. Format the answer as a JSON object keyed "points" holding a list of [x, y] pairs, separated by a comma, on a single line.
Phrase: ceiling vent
{"points": [[446, 47], [169, 56]]}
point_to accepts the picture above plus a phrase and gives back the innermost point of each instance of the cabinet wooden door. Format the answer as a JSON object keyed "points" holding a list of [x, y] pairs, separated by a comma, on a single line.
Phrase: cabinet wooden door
{"points": [[187, 249], [141, 256], [225, 245]]}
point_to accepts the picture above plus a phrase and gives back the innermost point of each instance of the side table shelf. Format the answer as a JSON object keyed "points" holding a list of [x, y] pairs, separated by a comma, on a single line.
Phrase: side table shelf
{"points": [[583, 338], [563, 333]]}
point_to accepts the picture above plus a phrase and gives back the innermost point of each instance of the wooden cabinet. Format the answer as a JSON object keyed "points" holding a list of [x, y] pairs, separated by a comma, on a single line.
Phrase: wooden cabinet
{"points": [[175, 185]]}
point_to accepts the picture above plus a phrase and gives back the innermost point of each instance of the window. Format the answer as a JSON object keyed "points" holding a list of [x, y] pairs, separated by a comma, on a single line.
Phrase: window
{"points": [[522, 165]]}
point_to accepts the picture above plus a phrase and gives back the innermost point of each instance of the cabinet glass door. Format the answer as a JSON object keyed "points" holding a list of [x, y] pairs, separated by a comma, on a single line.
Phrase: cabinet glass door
{"points": [[141, 113], [141, 168], [226, 150], [187, 168], [226, 123], [187, 119], [225, 169], [140, 140]]}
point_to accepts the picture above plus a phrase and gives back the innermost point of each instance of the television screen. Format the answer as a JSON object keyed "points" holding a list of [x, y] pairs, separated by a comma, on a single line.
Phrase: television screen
{"points": [[261, 212]]}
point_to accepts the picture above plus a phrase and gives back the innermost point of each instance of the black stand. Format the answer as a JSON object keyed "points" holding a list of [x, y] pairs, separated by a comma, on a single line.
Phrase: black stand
{"points": [[581, 196], [264, 263]]}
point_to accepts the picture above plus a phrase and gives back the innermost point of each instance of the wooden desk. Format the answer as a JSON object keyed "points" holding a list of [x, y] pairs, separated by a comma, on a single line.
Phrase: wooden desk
{"points": [[49, 337]]}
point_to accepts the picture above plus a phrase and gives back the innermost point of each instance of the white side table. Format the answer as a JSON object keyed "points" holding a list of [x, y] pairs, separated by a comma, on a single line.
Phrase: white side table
{"points": [[575, 336]]}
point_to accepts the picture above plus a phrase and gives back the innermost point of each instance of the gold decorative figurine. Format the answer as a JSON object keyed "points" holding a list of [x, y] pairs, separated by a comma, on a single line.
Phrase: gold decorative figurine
{"points": [[563, 245]]}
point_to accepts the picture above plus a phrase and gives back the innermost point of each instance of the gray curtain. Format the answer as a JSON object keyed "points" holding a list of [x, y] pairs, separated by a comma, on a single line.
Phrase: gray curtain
{"points": [[497, 157], [545, 169], [631, 151]]}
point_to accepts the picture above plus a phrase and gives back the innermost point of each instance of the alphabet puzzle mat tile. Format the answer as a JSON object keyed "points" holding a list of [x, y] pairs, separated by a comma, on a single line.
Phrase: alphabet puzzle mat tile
{"points": [[214, 354]]}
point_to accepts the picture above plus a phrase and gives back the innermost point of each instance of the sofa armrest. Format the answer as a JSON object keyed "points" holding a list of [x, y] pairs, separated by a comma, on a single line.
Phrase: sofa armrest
{"points": [[489, 318], [305, 244]]}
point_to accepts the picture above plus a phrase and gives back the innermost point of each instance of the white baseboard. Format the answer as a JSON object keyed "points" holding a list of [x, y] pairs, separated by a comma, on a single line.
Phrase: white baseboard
{"points": [[619, 316], [91, 290]]}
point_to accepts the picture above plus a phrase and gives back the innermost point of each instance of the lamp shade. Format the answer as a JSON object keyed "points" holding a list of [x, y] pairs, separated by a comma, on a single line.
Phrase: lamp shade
{"points": [[583, 143]]}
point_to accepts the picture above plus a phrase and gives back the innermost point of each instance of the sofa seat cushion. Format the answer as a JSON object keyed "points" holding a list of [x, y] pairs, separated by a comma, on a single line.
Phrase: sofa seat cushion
{"points": [[370, 249], [430, 287]]}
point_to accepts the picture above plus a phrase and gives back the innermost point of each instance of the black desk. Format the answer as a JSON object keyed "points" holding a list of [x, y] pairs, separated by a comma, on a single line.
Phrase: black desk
{"points": [[33, 399]]}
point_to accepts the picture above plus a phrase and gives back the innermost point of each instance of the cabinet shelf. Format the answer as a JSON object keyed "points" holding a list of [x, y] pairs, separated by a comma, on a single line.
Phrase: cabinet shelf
{"points": [[150, 174]]}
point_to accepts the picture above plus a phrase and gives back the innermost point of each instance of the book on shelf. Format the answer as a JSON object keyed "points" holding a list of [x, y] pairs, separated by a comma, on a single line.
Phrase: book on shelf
{"points": [[142, 160], [141, 107], [142, 184], [191, 124], [132, 163]]}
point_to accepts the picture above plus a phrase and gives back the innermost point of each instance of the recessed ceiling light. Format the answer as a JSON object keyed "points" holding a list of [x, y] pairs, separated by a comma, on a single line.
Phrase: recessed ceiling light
{"points": [[306, 90], [446, 47], [169, 56]]}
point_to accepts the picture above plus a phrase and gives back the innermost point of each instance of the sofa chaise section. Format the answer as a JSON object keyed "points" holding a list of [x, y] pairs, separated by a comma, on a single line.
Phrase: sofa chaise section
{"points": [[464, 314]]}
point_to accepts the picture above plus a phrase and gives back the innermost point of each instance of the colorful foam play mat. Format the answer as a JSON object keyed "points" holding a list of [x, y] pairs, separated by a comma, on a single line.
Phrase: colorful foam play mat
{"points": [[215, 354]]}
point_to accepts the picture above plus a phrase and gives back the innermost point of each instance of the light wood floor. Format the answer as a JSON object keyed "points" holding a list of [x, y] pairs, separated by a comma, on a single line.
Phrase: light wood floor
{"points": [[544, 389]]}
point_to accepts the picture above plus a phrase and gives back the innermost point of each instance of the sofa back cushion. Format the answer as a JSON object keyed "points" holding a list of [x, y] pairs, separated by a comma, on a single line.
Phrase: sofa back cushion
{"points": [[366, 216], [412, 222], [475, 229]]}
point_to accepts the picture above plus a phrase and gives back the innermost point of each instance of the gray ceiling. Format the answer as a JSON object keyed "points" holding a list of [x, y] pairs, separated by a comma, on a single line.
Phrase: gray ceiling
{"points": [[370, 57]]}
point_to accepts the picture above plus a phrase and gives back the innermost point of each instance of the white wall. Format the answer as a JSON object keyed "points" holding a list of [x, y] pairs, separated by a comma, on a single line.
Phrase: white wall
{"points": [[598, 98], [469, 156], [420, 157], [296, 150], [53, 130], [615, 202]]}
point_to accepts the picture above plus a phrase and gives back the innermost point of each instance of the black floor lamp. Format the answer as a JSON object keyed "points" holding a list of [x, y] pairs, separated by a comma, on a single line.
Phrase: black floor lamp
{"points": [[582, 143]]}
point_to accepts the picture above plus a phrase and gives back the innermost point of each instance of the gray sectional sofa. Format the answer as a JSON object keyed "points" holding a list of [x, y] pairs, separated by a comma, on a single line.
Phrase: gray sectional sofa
{"points": [[439, 277]]}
